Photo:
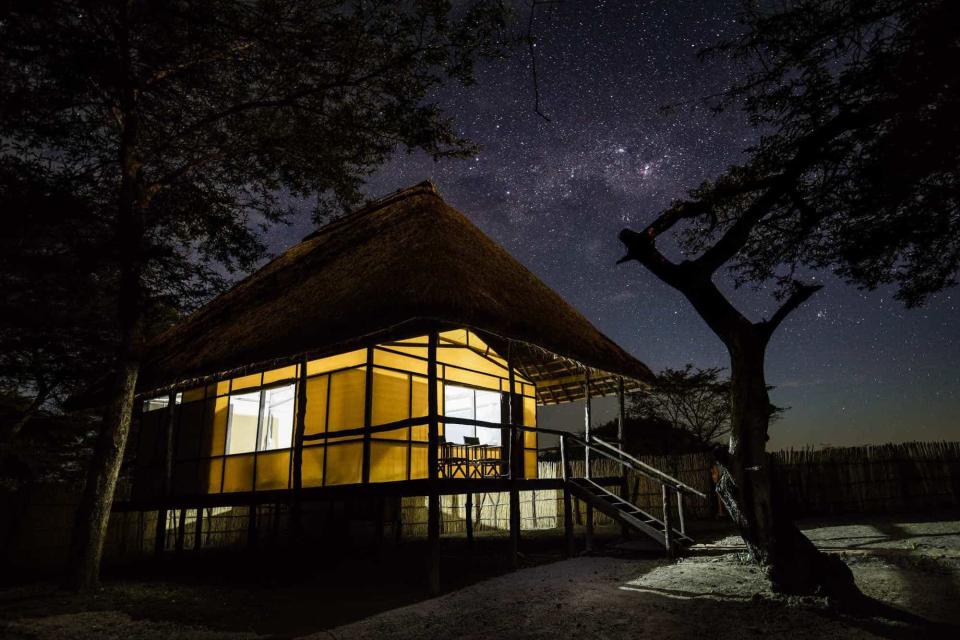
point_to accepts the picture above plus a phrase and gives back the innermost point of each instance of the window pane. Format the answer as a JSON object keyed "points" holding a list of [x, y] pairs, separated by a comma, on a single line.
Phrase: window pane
{"points": [[458, 403], [346, 400], [242, 422], [273, 470], [488, 410], [391, 397], [276, 430], [315, 420], [488, 406], [155, 403]]}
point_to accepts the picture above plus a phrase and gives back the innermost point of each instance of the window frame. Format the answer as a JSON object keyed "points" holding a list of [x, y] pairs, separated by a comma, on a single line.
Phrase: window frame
{"points": [[474, 390], [262, 392]]}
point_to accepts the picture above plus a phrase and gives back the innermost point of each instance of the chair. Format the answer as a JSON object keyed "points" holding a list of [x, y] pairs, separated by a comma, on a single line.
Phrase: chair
{"points": [[452, 461], [473, 454]]}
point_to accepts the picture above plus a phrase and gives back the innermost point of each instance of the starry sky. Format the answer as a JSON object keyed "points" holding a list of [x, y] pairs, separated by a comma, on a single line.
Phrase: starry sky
{"points": [[854, 367]]}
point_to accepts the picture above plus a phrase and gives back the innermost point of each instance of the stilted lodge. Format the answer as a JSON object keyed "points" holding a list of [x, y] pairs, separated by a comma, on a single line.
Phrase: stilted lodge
{"points": [[395, 352]]}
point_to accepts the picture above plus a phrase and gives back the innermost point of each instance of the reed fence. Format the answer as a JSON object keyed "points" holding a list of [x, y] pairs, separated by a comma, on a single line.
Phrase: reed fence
{"points": [[909, 476]]}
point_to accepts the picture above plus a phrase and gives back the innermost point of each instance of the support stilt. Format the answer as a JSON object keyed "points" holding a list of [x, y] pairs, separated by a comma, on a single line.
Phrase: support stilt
{"points": [[198, 530], [433, 500], [589, 535], [568, 543], [166, 488], [181, 530], [667, 524], [468, 513]]}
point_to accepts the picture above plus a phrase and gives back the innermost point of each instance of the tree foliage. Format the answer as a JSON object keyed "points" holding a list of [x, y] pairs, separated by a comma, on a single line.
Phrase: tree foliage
{"points": [[55, 328], [185, 126], [229, 109], [856, 170]]}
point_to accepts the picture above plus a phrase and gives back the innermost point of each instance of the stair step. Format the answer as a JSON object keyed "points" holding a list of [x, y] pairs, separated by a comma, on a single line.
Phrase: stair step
{"points": [[627, 512]]}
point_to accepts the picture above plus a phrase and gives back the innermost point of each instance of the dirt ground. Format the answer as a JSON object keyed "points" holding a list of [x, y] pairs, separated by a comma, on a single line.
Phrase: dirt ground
{"points": [[911, 566]]}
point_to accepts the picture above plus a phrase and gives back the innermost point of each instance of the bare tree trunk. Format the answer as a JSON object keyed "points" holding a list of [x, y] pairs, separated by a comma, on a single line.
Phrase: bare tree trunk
{"points": [[93, 512], [792, 563]]}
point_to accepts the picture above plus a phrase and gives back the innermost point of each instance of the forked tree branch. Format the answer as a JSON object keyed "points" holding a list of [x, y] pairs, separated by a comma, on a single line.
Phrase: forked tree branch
{"points": [[801, 293]]}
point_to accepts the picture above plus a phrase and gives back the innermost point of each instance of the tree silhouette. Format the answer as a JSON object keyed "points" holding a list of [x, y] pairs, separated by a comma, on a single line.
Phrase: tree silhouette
{"points": [[695, 400], [183, 124], [54, 332], [856, 172]]}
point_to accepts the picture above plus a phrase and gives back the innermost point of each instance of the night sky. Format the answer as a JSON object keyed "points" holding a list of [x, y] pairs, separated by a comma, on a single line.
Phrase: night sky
{"points": [[855, 367]]}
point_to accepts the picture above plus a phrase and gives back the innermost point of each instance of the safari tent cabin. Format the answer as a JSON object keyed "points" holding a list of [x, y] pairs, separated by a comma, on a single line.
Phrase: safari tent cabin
{"points": [[397, 349]]}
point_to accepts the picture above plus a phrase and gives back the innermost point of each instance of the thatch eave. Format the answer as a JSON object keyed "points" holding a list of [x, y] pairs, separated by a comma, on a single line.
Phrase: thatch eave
{"points": [[406, 264]]}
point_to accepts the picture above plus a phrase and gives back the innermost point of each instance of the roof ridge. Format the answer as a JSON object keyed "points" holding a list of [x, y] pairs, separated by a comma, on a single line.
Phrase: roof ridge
{"points": [[424, 187]]}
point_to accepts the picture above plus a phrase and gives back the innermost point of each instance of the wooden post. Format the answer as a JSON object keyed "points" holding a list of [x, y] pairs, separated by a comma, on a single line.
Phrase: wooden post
{"points": [[468, 510], [586, 422], [198, 530], [682, 522], [166, 482], [563, 459], [589, 523], [181, 531], [621, 412], [667, 524], [367, 416], [621, 419], [433, 499], [296, 510], [397, 520], [209, 518], [380, 506], [254, 508], [252, 523], [568, 547], [140, 534], [516, 456], [275, 524], [587, 415]]}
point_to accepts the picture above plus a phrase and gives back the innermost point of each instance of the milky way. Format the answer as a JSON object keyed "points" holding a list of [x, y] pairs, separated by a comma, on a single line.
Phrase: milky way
{"points": [[853, 366]]}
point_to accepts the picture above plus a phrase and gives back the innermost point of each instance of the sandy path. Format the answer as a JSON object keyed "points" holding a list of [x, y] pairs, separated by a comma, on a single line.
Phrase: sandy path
{"points": [[711, 595]]}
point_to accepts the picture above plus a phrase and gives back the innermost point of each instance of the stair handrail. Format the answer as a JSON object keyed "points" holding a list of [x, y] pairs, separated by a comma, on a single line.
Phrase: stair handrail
{"points": [[639, 465], [654, 474]]}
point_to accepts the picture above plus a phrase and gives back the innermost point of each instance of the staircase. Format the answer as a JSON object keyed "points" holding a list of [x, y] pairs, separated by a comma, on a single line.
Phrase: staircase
{"points": [[624, 512], [621, 510]]}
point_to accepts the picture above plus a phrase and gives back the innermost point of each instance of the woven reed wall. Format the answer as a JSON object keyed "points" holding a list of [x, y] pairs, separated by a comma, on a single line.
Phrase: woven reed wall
{"points": [[907, 477], [911, 476]]}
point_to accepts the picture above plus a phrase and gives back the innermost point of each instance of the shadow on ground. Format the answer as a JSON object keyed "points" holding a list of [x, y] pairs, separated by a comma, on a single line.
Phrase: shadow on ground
{"points": [[281, 592]]}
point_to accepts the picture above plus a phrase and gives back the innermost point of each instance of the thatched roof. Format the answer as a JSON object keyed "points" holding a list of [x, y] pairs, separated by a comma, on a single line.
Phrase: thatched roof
{"points": [[396, 268]]}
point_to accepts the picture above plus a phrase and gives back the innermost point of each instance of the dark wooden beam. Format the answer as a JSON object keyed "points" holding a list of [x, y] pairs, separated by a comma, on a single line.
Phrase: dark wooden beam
{"points": [[516, 462], [433, 460], [587, 419], [181, 531], [346, 492], [621, 421], [198, 530], [166, 487], [667, 524], [296, 510], [367, 416], [468, 512]]}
